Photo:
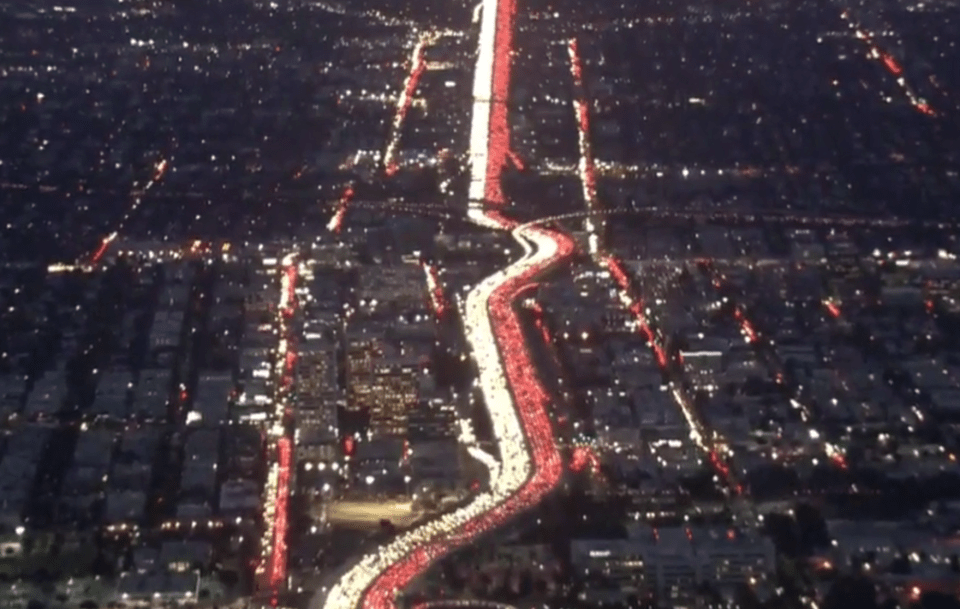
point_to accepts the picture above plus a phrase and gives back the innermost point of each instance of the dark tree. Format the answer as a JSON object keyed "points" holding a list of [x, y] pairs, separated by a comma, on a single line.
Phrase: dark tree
{"points": [[813, 528], [746, 598], [782, 531], [938, 600], [851, 591]]}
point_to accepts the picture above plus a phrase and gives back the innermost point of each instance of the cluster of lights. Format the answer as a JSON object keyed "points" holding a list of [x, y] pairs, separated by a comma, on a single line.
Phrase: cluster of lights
{"points": [[437, 298], [541, 325], [158, 172], [615, 267], [462, 604], [273, 564], [746, 326], [468, 439], [836, 456], [498, 144], [832, 308], [585, 457], [102, 249], [426, 210], [288, 286], [490, 132], [585, 166], [278, 557], [891, 65], [172, 252], [269, 517], [371, 14], [720, 467], [172, 525], [516, 160], [335, 225], [714, 456], [697, 434], [417, 67], [480, 121]]}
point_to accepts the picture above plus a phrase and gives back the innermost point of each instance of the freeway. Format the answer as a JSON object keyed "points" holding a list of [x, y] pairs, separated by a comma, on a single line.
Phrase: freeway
{"points": [[530, 463], [517, 403]]}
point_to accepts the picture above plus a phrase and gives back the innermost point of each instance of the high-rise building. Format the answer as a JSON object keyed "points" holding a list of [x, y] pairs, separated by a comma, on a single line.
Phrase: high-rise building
{"points": [[394, 391], [363, 348], [384, 379]]}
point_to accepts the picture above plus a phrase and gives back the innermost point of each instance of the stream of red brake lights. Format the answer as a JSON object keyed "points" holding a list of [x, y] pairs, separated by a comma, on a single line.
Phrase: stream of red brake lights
{"points": [[336, 222], [97, 255], [277, 571], [623, 281], [437, 298], [278, 555], [498, 147], [416, 71]]}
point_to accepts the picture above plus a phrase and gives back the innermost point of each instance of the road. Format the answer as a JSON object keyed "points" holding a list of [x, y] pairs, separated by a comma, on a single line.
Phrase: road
{"points": [[530, 463], [271, 572]]}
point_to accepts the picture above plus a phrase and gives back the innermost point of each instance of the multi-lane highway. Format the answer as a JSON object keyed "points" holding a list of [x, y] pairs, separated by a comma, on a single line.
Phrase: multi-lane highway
{"points": [[530, 463]]}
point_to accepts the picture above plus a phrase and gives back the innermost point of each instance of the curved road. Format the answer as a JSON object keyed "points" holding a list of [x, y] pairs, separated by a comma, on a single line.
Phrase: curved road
{"points": [[530, 464]]}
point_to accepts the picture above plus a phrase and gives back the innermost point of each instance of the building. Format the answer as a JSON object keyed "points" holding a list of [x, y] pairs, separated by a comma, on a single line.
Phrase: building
{"points": [[672, 562], [18, 467], [384, 378]]}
